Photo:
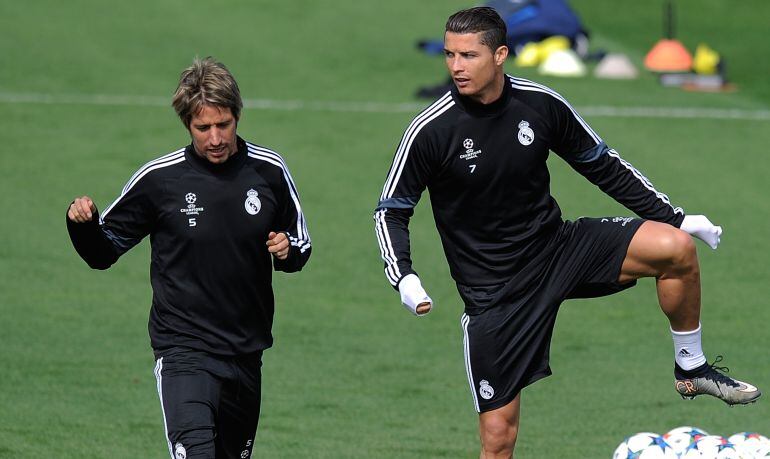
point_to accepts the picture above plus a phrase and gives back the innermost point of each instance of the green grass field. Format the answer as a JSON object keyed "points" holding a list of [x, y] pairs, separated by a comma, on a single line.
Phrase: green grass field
{"points": [[352, 374]]}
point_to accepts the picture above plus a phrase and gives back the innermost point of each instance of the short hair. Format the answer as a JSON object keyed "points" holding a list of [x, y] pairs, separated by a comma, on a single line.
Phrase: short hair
{"points": [[206, 82], [480, 19]]}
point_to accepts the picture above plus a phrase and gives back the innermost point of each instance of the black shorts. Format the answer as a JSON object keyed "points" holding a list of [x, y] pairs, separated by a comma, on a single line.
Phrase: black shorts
{"points": [[210, 403], [507, 328]]}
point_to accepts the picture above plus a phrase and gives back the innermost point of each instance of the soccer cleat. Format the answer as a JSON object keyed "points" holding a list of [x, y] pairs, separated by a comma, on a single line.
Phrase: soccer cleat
{"points": [[710, 379]]}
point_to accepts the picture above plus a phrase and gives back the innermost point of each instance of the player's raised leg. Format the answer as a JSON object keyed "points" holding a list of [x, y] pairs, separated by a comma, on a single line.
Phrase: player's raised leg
{"points": [[659, 250], [498, 430]]}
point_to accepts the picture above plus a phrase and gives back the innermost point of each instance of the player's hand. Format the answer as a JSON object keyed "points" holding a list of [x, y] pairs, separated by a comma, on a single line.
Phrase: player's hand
{"points": [[702, 228], [278, 245], [82, 210], [423, 308], [413, 296]]}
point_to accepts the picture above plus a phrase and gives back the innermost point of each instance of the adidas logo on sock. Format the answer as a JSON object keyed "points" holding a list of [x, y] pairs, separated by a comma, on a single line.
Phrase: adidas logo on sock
{"points": [[684, 353]]}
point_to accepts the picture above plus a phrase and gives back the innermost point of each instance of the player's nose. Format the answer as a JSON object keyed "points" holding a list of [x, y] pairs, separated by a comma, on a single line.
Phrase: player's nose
{"points": [[455, 65], [215, 137]]}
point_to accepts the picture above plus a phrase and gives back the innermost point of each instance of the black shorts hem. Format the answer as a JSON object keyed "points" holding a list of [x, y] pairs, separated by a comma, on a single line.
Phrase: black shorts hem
{"points": [[618, 263], [508, 398], [606, 288]]}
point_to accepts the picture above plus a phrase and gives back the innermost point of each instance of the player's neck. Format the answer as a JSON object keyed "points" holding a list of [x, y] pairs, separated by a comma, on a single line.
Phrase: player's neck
{"points": [[492, 92]]}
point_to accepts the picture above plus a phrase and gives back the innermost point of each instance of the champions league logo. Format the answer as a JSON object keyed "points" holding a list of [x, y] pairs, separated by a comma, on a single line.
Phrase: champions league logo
{"points": [[470, 153], [192, 208], [252, 203], [526, 134]]}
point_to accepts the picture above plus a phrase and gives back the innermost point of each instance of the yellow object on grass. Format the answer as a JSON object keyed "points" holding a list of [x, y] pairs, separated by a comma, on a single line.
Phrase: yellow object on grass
{"points": [[533, 54], [529, 56], [551, 44], [705, 61]]}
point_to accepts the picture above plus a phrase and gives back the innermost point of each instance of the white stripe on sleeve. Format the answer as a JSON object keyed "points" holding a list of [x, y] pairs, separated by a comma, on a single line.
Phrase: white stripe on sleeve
{"points": [[264, 154], [163, 161]]}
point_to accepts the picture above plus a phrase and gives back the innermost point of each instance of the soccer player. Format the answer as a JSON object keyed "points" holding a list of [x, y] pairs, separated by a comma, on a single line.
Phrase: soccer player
{"points": [[481, 151], [221, 213]]}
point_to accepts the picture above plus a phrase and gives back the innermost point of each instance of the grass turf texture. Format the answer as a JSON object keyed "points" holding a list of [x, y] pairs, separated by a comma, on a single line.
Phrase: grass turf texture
{"points": [[352, 374]]}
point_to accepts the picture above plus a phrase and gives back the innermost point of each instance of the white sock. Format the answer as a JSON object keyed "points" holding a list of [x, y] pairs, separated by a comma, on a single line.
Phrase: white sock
{"points": [[688, 352]]}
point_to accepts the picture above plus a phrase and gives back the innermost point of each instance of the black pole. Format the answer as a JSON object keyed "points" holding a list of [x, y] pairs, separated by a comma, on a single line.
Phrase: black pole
{"points": [[668, 19]]}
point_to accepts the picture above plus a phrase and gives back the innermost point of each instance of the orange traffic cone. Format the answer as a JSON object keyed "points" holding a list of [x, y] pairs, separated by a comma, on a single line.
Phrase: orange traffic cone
{"points": [[668, 54]]}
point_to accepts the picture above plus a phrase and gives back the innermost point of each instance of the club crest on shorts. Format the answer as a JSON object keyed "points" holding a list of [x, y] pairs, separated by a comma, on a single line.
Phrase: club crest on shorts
{"points": [[526, 134], [179, 451], [252, 203], [485, 390]]}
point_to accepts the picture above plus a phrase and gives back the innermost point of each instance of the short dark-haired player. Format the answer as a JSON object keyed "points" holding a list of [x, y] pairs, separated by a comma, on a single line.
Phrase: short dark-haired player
{"points": [[221, 214], [481, 151]]}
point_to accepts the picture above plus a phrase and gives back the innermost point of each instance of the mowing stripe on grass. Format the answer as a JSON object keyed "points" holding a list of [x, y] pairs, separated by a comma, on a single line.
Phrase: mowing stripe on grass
{"points": [[378, 107]]}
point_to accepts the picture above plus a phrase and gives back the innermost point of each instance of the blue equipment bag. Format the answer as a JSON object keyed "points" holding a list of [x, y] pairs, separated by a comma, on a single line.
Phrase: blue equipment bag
{"points": [[530, 21]]}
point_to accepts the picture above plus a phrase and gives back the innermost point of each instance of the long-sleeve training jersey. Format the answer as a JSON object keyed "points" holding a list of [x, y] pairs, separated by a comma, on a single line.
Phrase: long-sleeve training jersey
{"points": [[485, 169], [208, 224]]}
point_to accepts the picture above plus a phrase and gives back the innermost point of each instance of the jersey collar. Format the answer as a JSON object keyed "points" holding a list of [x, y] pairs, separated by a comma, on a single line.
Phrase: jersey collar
{"points": [[232, 164], [477, 109]]}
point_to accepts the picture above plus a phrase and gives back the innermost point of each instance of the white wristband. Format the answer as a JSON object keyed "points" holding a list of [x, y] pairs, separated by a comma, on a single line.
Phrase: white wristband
{"points": [[412, 294]]}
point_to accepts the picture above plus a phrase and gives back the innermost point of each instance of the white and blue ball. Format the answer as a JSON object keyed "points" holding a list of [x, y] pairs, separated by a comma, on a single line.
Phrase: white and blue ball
{"points": [[713, 447], [751, 444], [683, 437], [644, 445]]}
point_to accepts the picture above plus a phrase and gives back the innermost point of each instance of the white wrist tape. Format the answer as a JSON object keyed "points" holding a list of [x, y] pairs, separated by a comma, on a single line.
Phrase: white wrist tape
{"points": [[412, 293]]}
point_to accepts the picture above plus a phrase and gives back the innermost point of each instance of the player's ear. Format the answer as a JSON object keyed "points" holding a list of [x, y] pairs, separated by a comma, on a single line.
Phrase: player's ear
{"points": [[501, 54]]}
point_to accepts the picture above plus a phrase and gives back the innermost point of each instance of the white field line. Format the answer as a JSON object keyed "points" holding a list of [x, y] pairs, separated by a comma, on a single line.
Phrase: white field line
{"points": [[377, 107]]}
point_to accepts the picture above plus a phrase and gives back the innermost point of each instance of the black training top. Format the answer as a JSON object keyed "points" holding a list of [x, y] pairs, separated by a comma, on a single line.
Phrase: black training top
{"points": [[208, 225], [485, 169]]}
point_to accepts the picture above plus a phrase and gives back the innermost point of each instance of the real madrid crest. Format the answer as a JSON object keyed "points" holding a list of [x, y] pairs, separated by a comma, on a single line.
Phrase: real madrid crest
{"points": [[526, 134], [179, 451], [485, 390], [252, 203]]}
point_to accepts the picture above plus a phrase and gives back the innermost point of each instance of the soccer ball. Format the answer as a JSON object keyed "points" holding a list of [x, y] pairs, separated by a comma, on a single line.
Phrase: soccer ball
{"points": [[729, 451], [682, 437], [705, 447], [713, 447], [751, 444], [645, 445]]}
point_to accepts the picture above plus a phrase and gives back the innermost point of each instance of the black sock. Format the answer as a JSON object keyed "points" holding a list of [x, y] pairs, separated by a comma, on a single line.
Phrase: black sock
{"points": [[679, 373]]}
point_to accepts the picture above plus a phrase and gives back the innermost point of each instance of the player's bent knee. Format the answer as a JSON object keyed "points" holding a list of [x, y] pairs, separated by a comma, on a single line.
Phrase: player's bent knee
{"points": [[676, 248], [498, 435], [683, 252]]}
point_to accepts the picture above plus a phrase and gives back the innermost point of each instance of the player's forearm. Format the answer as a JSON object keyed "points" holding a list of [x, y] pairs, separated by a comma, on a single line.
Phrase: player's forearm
{"points": [[621, 181], [392, 230], [298, 256], [91, 243]]}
